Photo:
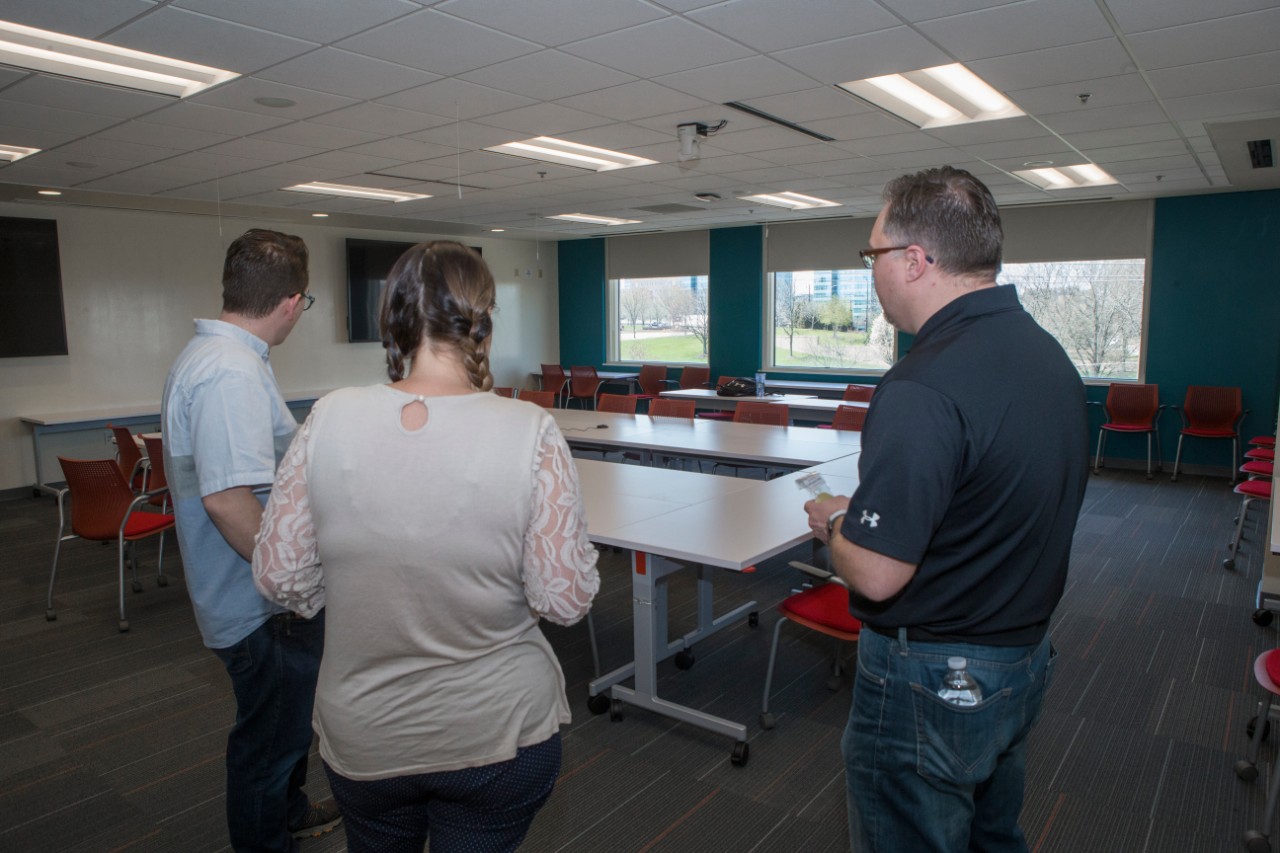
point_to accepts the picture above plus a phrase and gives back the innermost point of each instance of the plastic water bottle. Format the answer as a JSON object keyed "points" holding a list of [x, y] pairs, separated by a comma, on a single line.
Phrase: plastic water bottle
{"points": [[958, 687], [759, 384]]}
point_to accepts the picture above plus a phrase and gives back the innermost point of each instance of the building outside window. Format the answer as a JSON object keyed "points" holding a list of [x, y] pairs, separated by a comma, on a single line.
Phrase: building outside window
{"points": [[827, 320], [659, 320]]}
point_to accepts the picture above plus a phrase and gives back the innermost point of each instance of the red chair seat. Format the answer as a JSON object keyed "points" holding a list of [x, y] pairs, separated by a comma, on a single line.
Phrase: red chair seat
{"points": [[1210, 433], [716, 416], [823, 607], [1254, 489], [1272, 666], [1127, 427], [142, 524], [1264, 454], [1263, 441], [1258, 468]]}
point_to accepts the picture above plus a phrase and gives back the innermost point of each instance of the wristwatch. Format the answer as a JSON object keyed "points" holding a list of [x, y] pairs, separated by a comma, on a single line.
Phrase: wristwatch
{"points": [[833, 518]]}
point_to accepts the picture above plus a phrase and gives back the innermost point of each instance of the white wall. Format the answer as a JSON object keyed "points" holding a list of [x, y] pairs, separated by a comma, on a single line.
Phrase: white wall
{"points": [[133, 281]]}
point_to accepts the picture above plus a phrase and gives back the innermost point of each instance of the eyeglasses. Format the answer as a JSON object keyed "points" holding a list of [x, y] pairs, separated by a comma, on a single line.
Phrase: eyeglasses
{"points": [[311, 300], [869, 255]]}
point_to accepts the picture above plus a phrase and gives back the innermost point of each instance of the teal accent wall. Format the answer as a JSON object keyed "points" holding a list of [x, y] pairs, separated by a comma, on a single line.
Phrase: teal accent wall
{"points": [[1213, 311], [582, 302], [736, 300]]}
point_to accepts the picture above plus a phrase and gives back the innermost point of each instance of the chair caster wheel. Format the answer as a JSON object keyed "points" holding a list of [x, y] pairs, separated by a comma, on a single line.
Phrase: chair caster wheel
{"points": [[684, 659], [741, 752], [162, 580], [1253, 722], [1247, 771], [1262, 617], [615, 709], [1228, 564], [833, 683], [124, 626], [51, 615], [767, 720], [598, 704], [753, 619], [1256, 842], [136, 586]]}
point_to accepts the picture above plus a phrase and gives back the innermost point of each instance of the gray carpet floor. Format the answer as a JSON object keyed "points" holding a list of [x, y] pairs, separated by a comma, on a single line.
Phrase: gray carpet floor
{"points": [[114, 742]]}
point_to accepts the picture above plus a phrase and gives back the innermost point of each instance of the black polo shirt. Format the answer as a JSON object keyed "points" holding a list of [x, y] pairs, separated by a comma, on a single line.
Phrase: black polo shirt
{"points": [[973, 466]]}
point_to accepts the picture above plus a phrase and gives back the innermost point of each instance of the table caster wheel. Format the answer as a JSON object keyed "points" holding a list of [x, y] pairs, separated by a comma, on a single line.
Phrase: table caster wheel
{"points": [[124, 626], [684, 659], [1262, 617], [615, 709], [598, 704], [1228, 564], [162, 580], [1247, 771], [753, 619], [1253, 722], [741, 752], [137, 586], [51, 615], [1256, 842], [767, 720]]}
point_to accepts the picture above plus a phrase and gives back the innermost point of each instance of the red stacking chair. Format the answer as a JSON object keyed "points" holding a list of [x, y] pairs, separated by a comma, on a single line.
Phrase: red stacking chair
{"points": [[859, 393], [692, 376], [1133, 409], [554, 379], [823, 608], [753, 412], [1250, 491], [1211, 412], [103, 508], [1266, 670], [503, 391], [133, 465], [622, 404], [650, 381], [847, 417], [157, 482], [545, 399], [1263, 441], [584, 384], [1262, 454], [722, 414], [664, 407]]}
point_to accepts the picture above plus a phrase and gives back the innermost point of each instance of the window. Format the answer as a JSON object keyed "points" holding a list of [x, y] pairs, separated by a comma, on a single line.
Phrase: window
{"points": [[826, 320], [659, 320], [1093, 308]]}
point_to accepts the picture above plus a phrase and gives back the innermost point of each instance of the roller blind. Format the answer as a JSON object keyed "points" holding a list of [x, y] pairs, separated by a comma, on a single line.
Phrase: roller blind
{"points": [[1076, 232], [831, 244], [675, 253]]}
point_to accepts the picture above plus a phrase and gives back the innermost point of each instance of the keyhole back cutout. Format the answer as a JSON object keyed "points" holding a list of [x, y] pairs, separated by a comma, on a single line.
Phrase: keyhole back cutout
{"points": [[414, 414]]}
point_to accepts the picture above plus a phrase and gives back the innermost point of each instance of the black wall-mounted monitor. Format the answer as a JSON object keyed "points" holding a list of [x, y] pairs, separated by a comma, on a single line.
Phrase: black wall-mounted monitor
{"points": [[368, 264], [31, 316]]}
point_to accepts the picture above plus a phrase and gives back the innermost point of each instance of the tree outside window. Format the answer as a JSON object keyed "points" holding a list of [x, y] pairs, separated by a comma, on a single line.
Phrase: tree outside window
{"points": [[661, 320], [828, 320]]}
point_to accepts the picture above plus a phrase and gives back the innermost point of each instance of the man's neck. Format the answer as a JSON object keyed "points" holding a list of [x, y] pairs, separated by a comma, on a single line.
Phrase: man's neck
{"points": [[259, 327]]}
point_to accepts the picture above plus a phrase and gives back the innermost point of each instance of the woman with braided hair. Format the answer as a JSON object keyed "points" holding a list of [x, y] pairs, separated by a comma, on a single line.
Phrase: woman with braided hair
{"points": [[436, 524]]}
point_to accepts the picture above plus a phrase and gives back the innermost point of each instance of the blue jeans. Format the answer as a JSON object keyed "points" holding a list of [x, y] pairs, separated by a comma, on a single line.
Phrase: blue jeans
{"points": [[926, 775], [485, 809], [273, 673]]}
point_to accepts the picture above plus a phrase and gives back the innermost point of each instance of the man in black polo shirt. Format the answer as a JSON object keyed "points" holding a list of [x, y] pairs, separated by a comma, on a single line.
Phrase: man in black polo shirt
{"points": [[955, 544]]}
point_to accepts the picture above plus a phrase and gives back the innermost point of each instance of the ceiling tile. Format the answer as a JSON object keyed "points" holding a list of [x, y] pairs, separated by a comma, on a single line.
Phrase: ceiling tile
{"points": [[1220, 38], [769, 26], [554, 22], [1055, 65], [261, 149], [914, 11], [1017, 27], [18, 114], [241, 94], [1135, 16], [305, 19], [621, 137], [547, 75], [351, 75], [638, 99], [456, 98], [861, 126], [212, 166], [165, 136], [543, 120], [1254, 102], [318, 135], [215, 119], [891, 51], [439, 43], [1125, 115], [387, 121], [1158, 132], [738, 80], [1224, 75], [1103, 92], [207, 41], [757, 139], [81, 96], [661, 47], [127, 153], [402, 150], [809, 105], [468, 135], [75, 17], [346, 161]]}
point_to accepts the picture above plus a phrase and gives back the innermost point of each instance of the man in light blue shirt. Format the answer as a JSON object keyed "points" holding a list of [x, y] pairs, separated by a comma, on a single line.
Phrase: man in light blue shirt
{"points": [[226, 427]]}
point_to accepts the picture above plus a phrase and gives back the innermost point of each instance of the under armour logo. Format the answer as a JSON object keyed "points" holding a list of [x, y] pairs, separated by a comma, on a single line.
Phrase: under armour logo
{"points": [[871, 519]]}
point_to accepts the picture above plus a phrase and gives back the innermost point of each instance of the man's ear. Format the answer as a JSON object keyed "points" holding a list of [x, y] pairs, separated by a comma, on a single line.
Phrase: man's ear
{"points": [[918, 262]]}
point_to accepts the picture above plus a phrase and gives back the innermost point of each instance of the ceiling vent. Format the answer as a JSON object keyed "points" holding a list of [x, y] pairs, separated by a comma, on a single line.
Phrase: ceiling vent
{"points": [[1260, 153]]}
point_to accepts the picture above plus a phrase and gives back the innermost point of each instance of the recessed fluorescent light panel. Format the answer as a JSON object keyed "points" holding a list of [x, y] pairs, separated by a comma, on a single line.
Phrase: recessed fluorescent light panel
{"points": [[355, 192], [790, 200], [1066, 177], [594, 220], [551, 150], [68, 56], [13, 153], [935, 97]]}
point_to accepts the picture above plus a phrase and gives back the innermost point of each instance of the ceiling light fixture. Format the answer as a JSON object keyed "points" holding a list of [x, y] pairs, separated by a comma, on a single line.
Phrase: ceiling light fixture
{"points": [[548, 149], [934, 97], [1066, 177], [48, 192], [54, 53], [790, 200], [594, 220], [13, 153], [355, 192], [497, 230], [320, 215]]}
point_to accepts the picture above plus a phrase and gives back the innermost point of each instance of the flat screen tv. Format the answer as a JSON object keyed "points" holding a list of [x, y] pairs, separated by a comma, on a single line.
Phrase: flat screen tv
{"points": [[31, 315], [368, 263]]}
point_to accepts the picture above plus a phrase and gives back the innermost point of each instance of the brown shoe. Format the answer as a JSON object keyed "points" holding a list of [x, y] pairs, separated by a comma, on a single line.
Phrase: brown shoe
{"points": [[320, 818]]}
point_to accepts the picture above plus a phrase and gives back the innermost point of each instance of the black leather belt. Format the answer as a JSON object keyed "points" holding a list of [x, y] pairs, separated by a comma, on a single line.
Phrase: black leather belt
{"points": [[915, 634]]}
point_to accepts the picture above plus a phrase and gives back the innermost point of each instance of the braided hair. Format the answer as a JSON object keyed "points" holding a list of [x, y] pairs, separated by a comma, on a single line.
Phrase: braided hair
{"points": [[440, 292]]}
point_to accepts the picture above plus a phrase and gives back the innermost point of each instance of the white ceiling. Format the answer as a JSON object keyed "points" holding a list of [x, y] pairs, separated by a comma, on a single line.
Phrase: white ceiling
{"points": [[403, 95]]}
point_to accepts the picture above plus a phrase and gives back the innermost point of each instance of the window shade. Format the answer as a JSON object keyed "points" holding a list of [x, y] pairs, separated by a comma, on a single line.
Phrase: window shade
{"points": [[831, 244], [1076, 232], [675, 253]]}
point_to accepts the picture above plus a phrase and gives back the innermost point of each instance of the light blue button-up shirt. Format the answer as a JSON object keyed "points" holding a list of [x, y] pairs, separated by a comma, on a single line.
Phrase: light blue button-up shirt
{"points": [[225, 425]]}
